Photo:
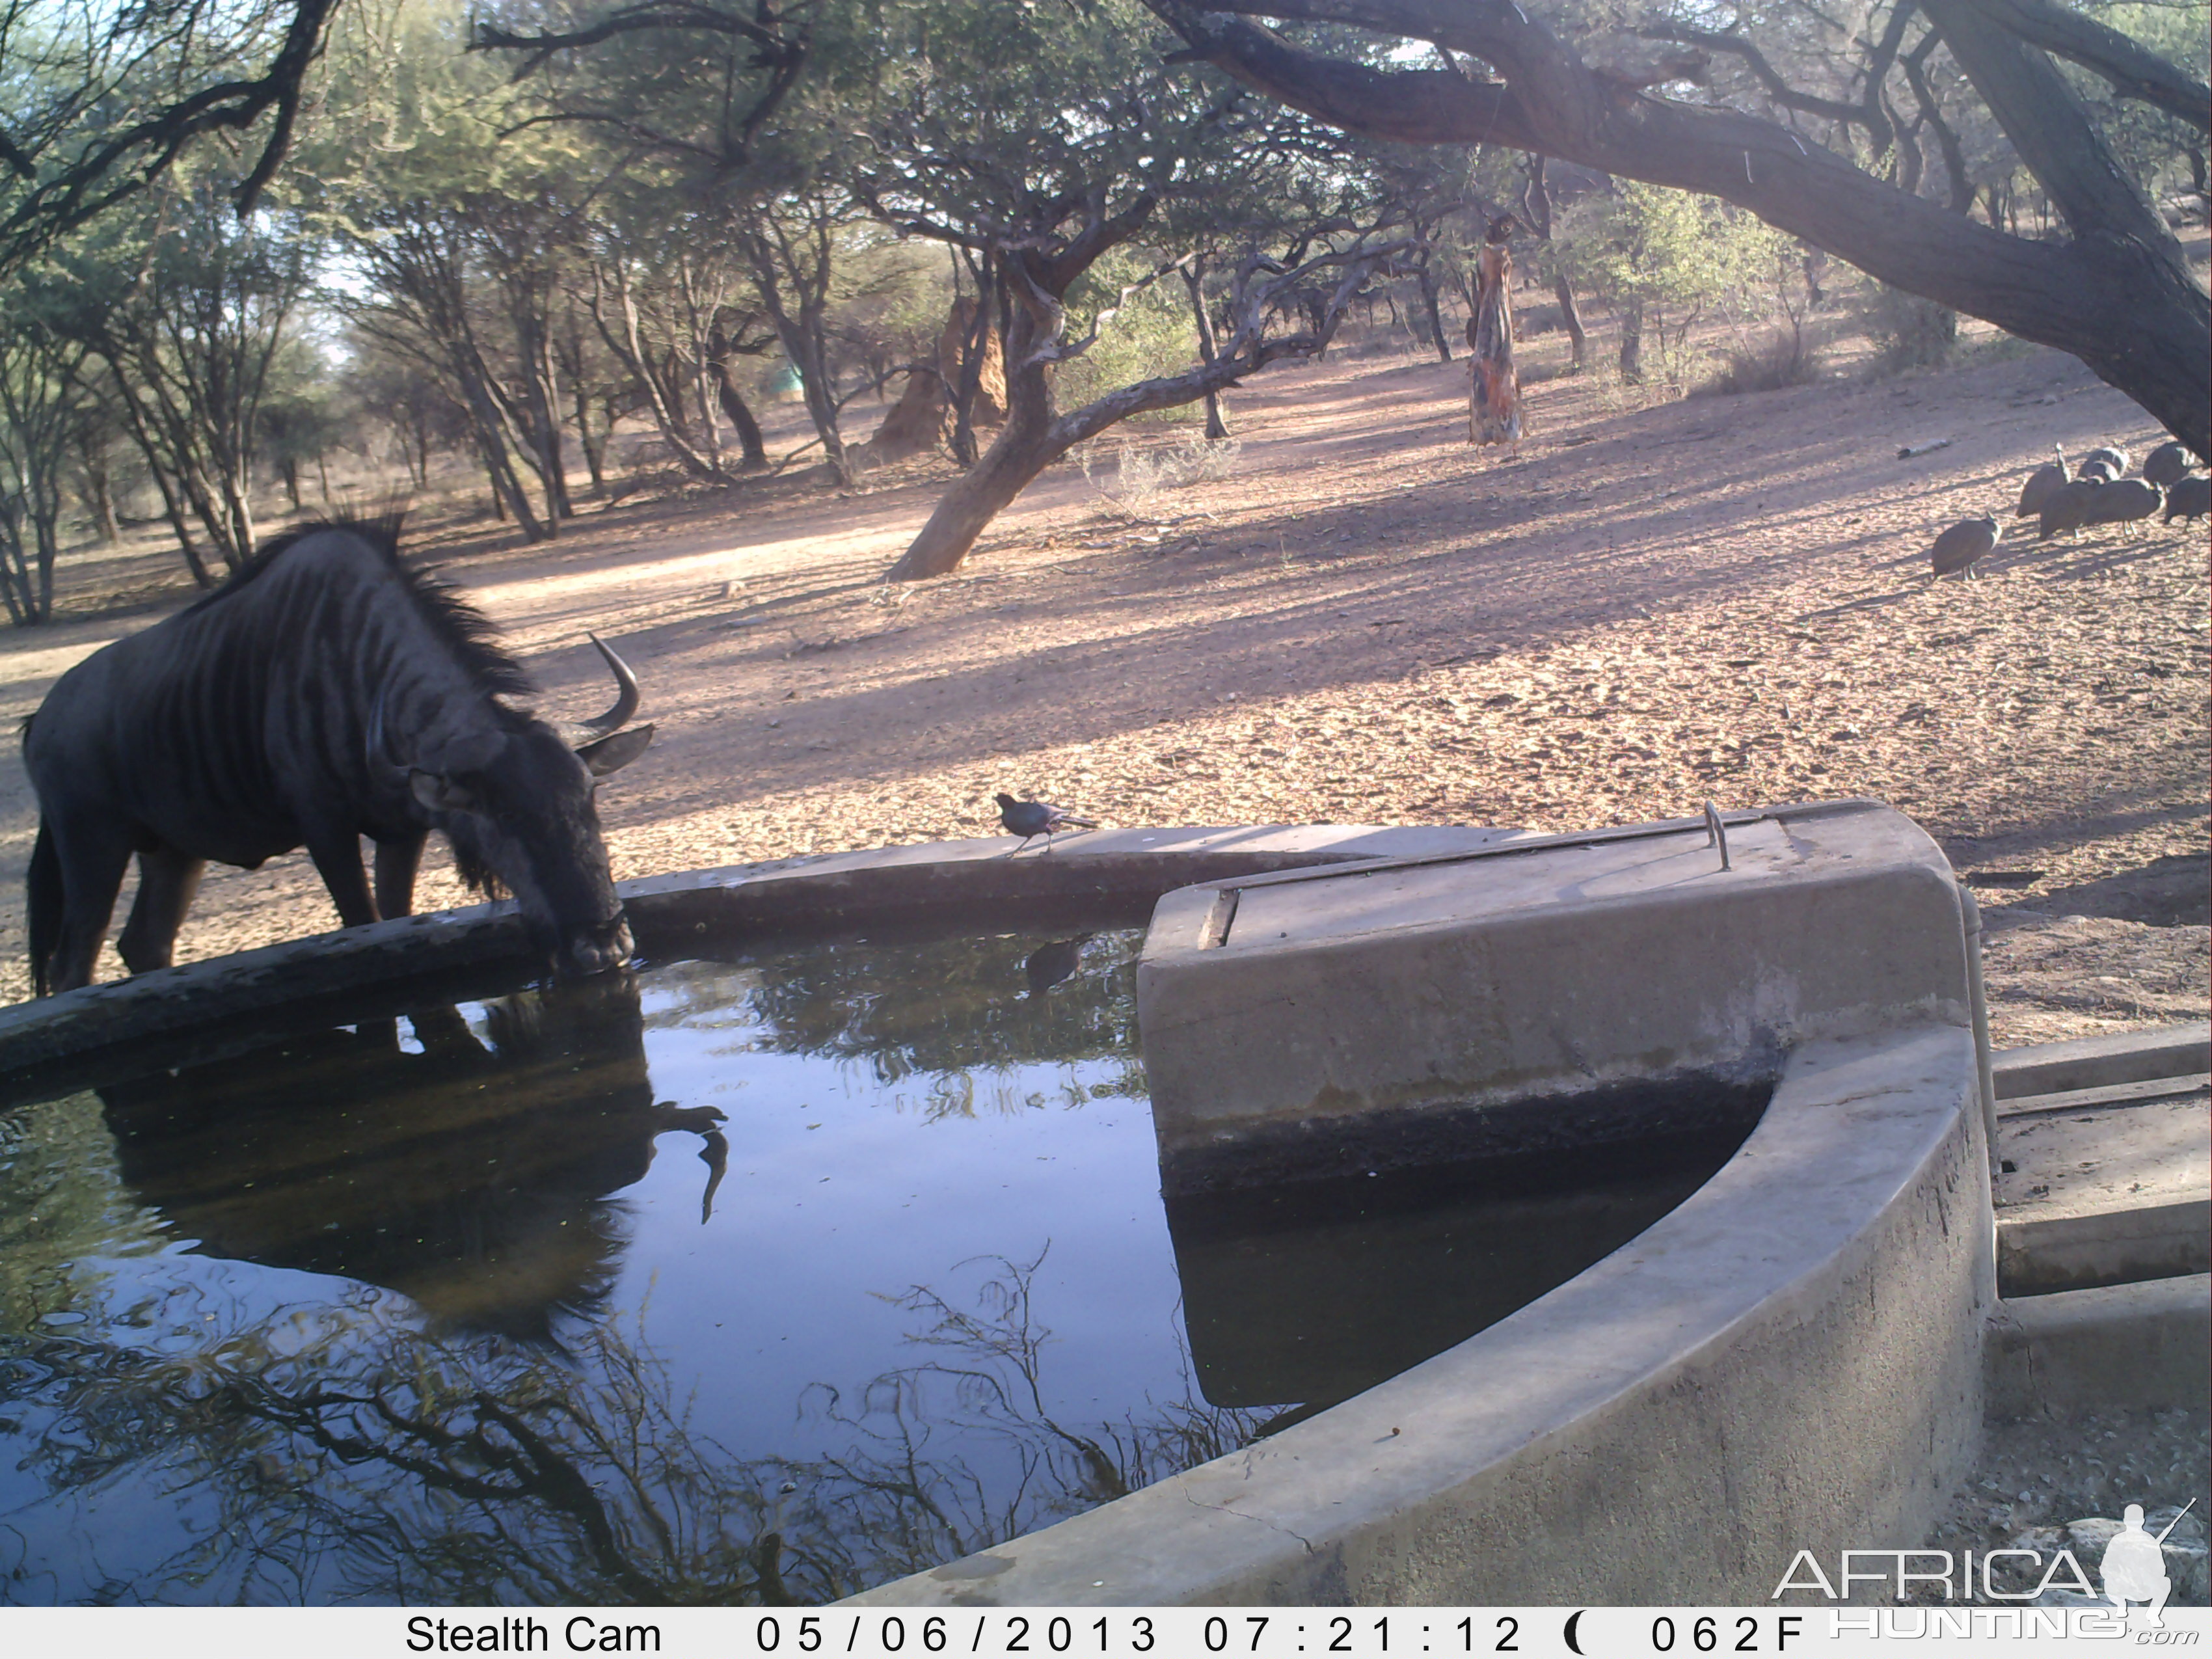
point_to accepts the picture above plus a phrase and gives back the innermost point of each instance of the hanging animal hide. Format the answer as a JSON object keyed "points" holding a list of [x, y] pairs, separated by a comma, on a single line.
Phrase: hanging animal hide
{"points": [[1493, 411]]}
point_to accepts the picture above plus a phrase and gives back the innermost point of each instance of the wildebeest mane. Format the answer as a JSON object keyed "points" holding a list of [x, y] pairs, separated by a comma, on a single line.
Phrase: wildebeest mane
{"points": [[466, 631]]}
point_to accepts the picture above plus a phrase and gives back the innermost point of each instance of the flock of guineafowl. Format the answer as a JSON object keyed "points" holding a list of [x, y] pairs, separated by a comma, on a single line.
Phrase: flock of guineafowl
{"points": [[2099, 492]]}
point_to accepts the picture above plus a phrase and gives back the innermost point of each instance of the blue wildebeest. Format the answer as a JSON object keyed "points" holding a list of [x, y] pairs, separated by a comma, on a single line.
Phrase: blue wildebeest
{"points": [[324, 693]]}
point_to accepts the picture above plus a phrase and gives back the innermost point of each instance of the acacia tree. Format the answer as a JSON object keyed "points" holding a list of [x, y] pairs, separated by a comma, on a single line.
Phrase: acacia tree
{"points": [[2115, 291], [189, 310], [707, 157], [43, 403], [470, 237], [104, 100], [1034, 144], [1042, 142]]}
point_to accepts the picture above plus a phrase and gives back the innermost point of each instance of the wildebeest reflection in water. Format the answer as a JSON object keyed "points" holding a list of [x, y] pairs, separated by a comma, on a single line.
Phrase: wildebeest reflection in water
{"points": [[471, 1178]]}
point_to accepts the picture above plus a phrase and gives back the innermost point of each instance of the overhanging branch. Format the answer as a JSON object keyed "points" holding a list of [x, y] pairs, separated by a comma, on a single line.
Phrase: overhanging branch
{"points": [[2119, 296], [119, 166], [2132, 71]]}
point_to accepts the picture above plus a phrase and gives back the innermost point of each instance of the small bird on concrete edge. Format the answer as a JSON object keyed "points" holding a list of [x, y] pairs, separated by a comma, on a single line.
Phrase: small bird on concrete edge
{"points": [[1031, 818]]}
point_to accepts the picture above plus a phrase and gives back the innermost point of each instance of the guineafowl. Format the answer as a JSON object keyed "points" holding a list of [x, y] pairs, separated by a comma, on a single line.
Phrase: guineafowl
{"points": [[2040, 482], [2122, 501], [2113, 463], [1957, 548], [2190, 498], [2067, 509], [2166, 465]]}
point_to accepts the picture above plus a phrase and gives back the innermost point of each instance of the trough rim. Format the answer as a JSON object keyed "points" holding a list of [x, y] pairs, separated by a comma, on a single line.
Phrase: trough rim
{"points": [[1328, 1513], [44, 1041]]}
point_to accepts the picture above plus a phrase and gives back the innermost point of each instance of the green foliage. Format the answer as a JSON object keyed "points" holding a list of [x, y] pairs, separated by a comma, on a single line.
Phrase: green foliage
{"points": [[1909, 332], [303, 414], [891, 297], [1151, 333], [100, 104], [1683, 258], [2160, 151]]}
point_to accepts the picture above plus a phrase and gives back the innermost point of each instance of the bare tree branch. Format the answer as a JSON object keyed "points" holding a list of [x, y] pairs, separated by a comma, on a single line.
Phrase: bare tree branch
{"points": [[106, 170], [1947, 138], [780, 49]]}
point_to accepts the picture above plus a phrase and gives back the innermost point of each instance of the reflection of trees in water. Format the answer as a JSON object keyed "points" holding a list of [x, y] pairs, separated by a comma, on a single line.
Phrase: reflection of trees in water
{"points": [[331, 1454], [65, 1214], [328, 1455], [943, 1005], [918, 1511]]}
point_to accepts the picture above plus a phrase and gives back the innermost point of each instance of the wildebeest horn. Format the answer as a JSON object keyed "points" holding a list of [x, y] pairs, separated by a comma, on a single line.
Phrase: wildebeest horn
{"points": [[626, 701]]}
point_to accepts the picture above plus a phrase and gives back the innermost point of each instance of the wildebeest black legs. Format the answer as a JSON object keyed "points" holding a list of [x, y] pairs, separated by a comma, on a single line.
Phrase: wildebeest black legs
{"points": [[73, 895], [397, 862], [167, 881], [337, 853]]}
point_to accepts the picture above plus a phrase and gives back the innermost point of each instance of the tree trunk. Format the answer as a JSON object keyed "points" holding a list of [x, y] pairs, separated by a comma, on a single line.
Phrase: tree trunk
{"points": [[1023, 449], [1631, 343], [1571, 315], [15, 569], [1815, 296], [1536, 209], [974, 353], [1193, 278], [752, 448], [804, 338], [1430, 299], [507, 498], [625, 340], [135, 422], [806, 346], [1494, 400], [89, 441], [541, 402], [595, 447], [1034, 436]]}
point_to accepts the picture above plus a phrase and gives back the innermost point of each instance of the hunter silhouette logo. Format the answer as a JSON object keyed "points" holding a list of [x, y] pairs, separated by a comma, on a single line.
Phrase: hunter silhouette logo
{"points": [[2135, 1565]]}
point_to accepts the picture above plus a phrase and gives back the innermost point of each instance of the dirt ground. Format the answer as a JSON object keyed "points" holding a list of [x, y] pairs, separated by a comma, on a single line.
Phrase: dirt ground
{"points": [[1656, 605]]}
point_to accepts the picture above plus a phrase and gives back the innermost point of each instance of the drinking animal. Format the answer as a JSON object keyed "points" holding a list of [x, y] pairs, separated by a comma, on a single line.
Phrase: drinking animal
{"points": [[326, 692]]}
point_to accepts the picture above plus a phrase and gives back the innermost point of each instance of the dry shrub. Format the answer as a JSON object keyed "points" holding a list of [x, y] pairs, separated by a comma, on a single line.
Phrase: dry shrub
{"points": [[1140, 476], [1781, 359], [1909, 332]]}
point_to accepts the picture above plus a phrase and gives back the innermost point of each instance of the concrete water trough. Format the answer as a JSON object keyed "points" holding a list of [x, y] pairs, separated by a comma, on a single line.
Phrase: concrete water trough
{"points": [[1792, 1359]]}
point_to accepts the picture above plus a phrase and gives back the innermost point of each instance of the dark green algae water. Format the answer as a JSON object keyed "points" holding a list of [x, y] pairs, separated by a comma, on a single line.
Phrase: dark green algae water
{"points": [[761, 1279]]}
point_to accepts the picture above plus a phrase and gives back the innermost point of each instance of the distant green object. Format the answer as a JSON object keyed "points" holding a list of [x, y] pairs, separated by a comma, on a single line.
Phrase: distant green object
{"points": [[785, 381]]}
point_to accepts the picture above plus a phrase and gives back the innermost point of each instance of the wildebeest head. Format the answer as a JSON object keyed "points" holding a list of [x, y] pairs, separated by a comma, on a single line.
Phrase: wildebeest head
{"points": [[514, 795]]}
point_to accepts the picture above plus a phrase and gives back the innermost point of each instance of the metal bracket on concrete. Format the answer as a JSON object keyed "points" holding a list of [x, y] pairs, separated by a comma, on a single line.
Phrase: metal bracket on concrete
{"points": [[1717, 832]]}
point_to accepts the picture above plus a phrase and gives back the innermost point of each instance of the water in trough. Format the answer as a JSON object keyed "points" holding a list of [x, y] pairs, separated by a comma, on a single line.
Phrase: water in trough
{"points": [[763, 1279]]}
